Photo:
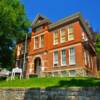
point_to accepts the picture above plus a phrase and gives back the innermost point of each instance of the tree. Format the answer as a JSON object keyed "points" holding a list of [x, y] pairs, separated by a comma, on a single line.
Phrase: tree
{"points": [[98, 44], [13, 26]]}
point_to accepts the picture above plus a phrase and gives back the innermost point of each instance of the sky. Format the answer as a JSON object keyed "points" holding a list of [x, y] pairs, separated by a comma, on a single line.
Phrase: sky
{"points": [[57, 9]]}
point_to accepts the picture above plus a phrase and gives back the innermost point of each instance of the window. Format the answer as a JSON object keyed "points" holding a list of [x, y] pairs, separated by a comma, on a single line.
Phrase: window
{"points": [[42, 41], [63, 35], [92, 61], [56, 74], [72, 73], [36, 42], [38, 28], [85, 57], [55, 58], [88, 60], [70, 32], [84, 37], [63, 57], [72, 56], [56, 38], [65, 73]]}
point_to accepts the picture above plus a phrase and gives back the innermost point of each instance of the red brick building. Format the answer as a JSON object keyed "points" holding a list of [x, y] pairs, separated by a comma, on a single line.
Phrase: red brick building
{"points": [[63, 48]]}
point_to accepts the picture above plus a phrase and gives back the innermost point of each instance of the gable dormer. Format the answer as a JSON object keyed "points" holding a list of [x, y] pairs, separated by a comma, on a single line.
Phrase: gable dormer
{"points": [[40, 22]]}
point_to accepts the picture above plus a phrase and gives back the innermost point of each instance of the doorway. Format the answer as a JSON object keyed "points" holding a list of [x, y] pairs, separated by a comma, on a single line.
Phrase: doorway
{"points": [[37, 66]]}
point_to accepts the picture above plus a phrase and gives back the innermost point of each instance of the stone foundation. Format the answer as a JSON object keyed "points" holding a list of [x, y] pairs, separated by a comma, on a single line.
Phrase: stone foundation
{"points": [[68, 73], [75, 93]]}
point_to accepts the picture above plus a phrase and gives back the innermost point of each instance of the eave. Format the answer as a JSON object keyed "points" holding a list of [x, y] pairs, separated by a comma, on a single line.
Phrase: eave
{"points": [[70, 19], [41, 23]]}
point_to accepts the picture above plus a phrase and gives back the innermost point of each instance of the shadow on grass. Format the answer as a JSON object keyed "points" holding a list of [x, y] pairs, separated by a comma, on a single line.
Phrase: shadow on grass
{"points": [[36, 94], [79, 82], [2, 79]]}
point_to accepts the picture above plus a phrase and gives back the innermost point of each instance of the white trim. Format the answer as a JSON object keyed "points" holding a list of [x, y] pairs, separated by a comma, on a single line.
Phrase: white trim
{"points": [[69, 32], [40, 46], [35, 56], [61, 57], [54, 37], [69, 57], [34, 42], [38, 34], [39, 38], [40, 41], [61, 36], [54, 59], [66, 47], [85, 57]]}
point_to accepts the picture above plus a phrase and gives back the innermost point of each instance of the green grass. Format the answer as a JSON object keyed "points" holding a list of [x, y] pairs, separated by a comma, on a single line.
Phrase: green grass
{"points": [[56, 82]]}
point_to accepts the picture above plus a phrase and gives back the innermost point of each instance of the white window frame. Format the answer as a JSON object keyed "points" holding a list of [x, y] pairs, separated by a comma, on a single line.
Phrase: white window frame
{"points": [[70, 63], [40, 46], [54, 58], [34, 41], [39, 40], [54, 37], [61, 36], [85, 57], [70, 33], [61, 57]]}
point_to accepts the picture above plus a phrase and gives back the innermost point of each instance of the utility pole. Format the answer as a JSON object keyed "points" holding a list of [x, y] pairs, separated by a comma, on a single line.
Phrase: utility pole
{"points": [[25, 51]]}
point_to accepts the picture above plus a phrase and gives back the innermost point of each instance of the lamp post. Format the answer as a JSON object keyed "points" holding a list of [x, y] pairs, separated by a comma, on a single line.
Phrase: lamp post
{"points": [[25, 51]]}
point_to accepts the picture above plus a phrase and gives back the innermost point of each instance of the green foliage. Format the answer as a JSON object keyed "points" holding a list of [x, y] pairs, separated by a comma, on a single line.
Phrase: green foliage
{"points": [[13, 26], [50, 82], [98, 44]]}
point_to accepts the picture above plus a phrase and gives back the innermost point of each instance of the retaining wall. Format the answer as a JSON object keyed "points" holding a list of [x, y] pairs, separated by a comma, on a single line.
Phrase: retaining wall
{"points": [[73, 93]]}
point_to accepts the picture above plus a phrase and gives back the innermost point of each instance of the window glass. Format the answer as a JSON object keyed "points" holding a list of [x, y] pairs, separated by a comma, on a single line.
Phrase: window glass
{"points": [[55, 58], [36, 42], [63, 35], [70, 32], [72, 56], [55, 37], [63, 57], [42, 40]]}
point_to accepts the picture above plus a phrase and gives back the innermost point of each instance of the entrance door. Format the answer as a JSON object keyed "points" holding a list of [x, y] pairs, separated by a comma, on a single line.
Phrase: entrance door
{"points": [[37, 66]]}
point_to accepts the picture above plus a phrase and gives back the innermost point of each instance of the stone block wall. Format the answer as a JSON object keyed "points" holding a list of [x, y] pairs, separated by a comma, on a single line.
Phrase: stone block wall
{"points": [[73, 93]]}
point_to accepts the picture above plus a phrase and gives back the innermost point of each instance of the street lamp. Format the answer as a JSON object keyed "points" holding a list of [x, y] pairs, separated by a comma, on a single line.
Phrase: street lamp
{"points": [[25, 51]]}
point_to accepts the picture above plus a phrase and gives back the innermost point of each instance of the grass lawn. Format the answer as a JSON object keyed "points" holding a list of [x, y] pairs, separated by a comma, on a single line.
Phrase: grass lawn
{"points": [[53, 82]]}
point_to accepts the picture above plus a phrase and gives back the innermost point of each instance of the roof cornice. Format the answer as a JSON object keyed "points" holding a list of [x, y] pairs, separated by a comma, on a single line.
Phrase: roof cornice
{"points": [[69, 19], [64, 20]]}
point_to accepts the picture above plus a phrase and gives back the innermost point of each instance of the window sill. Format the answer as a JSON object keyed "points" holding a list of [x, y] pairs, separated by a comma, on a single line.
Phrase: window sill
{"points": [[55, 65], [63, 42], [72, 64], [41, 47], [64, 65], [71, 40], [38, 48], [55, 43]]}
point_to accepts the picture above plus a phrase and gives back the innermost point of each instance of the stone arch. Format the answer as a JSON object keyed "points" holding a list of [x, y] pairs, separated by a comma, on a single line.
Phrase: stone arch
{"points": [[37, 62]]}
